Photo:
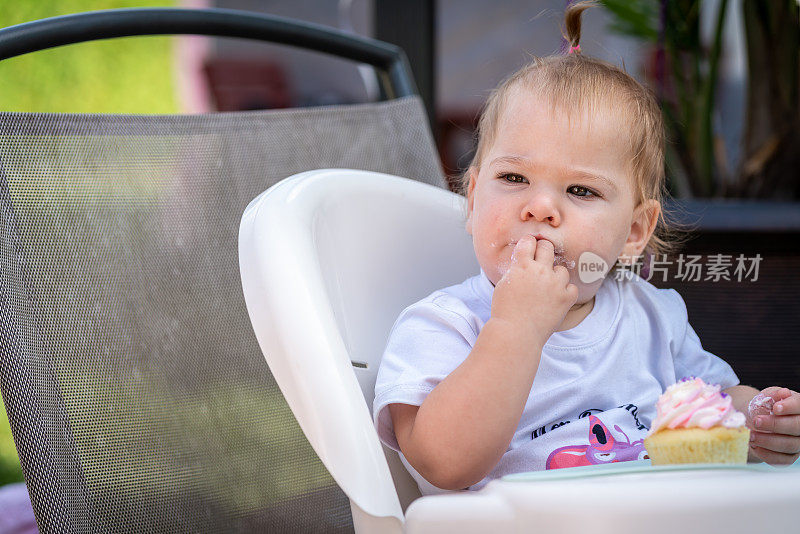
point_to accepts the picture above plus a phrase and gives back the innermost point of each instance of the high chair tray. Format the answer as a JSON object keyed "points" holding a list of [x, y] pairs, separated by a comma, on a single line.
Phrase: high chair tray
{"points": [[629, 497], [636, 467]]}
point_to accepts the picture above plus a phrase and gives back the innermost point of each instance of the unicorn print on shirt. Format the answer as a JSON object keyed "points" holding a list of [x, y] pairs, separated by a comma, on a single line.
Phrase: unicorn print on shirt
{"points": [[602, 448]]}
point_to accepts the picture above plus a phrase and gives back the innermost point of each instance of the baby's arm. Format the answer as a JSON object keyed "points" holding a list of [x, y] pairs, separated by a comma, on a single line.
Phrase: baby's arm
{"points": [[466, 423], [741, 397]]}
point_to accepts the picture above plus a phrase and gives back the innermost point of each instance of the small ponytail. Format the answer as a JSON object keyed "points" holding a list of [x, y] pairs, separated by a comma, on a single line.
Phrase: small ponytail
{"points": [[572, 24]]}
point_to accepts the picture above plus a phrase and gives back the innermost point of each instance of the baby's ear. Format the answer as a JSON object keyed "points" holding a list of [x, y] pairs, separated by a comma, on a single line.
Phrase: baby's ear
{"points": [[643, 224], [473, 177]]}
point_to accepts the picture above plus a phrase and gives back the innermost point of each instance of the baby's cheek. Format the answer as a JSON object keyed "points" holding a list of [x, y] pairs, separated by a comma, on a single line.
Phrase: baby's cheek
{"points": [[492, 232], [493, 221], [593, 260], [607, 245]]}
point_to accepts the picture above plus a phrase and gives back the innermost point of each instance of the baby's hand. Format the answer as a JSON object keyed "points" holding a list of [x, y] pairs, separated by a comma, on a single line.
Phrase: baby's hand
{"points": [[533, 294], [774, 420]]}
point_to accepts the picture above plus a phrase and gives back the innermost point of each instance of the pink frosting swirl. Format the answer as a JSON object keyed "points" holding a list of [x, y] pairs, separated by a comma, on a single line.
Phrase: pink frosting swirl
{"points": [[691, 403]]}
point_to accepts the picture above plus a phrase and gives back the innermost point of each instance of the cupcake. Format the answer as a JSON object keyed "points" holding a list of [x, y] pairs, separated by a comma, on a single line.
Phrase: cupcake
{"points": [[697, 423]]}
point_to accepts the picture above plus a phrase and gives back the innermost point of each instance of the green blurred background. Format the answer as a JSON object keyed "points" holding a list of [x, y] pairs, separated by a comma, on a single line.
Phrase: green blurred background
{"points": [[131, 75]]}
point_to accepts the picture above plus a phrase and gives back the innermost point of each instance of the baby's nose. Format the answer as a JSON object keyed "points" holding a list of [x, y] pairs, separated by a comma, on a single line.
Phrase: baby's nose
{"points": [[542, 207]]}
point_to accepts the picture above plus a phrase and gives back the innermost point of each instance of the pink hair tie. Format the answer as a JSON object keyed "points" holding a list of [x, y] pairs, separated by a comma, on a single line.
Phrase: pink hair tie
{"points": [[576, 48]]}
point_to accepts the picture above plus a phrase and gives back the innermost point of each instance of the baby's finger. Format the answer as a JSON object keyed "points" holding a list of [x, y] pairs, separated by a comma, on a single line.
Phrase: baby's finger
{"points": [[774, 458], [523, 250], [778, 393], [788, 405], [562, 273], [778, 424], [775, 442], [572, 292], [545, 252]]}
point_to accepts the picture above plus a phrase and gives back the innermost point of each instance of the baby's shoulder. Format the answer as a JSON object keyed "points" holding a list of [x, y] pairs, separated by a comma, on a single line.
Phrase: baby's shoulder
{"points": [[457, 304], [636, 291]]}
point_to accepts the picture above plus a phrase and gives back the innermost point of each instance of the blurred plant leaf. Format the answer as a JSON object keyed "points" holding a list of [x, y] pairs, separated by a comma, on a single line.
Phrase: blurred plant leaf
{"points": [[634, 18]]}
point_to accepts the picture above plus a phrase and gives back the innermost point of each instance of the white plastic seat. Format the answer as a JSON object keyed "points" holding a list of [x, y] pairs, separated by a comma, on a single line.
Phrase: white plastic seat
{"points": [[329, 259]]}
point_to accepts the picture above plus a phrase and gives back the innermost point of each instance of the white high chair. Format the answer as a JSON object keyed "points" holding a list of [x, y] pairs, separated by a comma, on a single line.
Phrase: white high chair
{"points": [[329, 259]]}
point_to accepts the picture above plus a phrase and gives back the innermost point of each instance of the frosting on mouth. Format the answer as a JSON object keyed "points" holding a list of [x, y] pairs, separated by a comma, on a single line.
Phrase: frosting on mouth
{"points": [[561, 260]]}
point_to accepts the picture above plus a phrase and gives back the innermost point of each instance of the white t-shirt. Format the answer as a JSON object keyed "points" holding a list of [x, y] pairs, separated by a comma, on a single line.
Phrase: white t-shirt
{"points": [[593, 397]]}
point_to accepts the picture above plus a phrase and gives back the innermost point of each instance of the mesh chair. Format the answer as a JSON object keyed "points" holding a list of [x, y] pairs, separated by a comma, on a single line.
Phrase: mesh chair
{"points": [[136, 391]]}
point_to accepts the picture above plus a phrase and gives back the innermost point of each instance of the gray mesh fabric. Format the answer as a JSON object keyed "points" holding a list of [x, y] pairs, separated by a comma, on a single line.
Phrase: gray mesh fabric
{"points": [[137, 393]]}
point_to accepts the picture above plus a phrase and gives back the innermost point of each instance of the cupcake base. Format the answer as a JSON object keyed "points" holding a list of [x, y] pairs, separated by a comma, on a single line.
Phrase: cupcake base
{"points": [[716, 445]]}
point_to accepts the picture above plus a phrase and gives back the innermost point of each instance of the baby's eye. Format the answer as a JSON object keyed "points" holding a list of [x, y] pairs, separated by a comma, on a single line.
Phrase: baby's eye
{"points": [[580, 191], [514, 178]]}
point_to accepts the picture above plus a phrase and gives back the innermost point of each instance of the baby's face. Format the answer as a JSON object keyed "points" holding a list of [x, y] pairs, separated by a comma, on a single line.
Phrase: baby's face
{"points": [[567, 183]]}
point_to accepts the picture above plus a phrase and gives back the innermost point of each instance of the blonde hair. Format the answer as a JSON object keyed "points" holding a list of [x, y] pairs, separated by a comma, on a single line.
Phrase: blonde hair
{"points": [[573, 83]]}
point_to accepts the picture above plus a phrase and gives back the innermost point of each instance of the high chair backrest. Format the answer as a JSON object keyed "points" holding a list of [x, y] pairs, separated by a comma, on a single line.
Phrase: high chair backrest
{"points": [[329, 259]]}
